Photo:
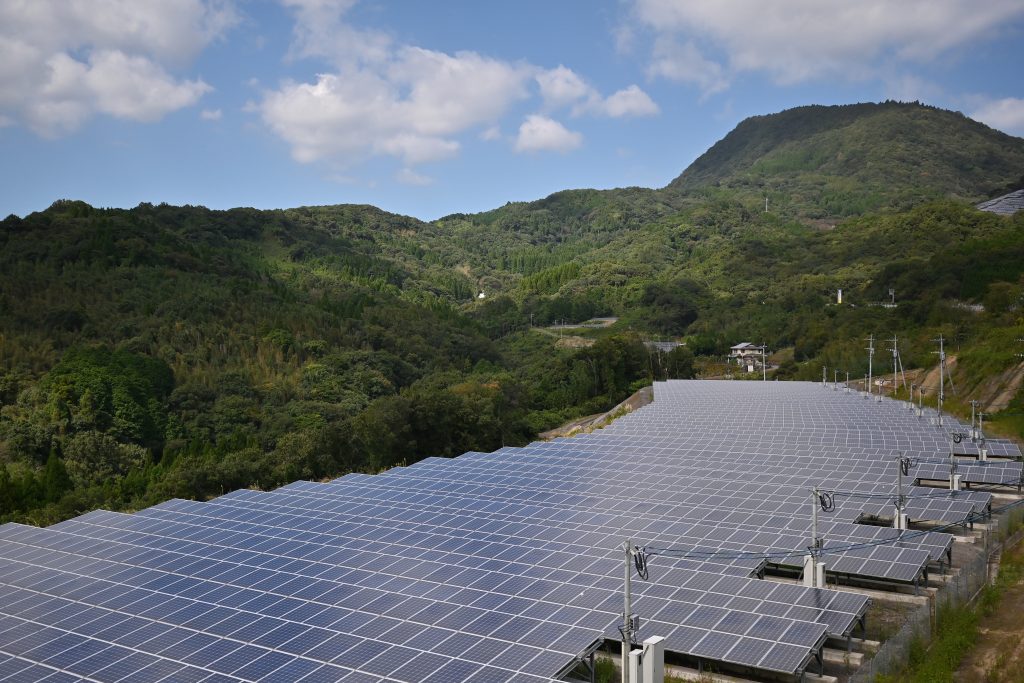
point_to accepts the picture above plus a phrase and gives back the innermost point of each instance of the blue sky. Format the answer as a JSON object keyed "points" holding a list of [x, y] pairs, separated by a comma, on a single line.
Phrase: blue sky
{"points": [[431, 108]]}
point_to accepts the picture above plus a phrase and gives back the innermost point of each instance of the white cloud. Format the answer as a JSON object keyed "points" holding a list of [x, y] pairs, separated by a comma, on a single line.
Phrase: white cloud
{"points": [[410, 110], [407, 176], [320, 31], [631, 101], [64, 61], [211, 114], [684, 63], [562, 87], [1006, 114], [539, 133], [133, 87], [491, 134], [378, 97], [800, 40], [448, 93], [418, 149]]}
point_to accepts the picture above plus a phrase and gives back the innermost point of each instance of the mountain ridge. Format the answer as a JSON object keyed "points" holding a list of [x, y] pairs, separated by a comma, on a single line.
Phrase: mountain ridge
{"points": [[169, 351]]}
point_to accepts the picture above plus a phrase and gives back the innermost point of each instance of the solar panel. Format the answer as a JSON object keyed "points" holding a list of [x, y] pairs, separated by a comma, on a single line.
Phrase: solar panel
{"points": [[501, 566]]}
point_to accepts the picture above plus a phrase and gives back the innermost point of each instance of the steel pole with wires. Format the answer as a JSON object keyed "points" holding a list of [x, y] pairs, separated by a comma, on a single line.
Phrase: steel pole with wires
{"points": [[812, 565], [627, 617], [871, 362]]}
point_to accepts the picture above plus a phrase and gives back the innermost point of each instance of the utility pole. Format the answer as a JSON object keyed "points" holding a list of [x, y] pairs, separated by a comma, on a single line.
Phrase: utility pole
{"points": [[871, 359], [954, 483], [812, 566], [823, 375], [982, 451], [846, 387], [897, 366], [942, 375], [764, 362], [974, 430], [814, 569], [627, 616], [899, 522]]}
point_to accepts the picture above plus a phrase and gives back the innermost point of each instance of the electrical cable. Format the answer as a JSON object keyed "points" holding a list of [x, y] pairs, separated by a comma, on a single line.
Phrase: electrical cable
{"points": [[640, 562], [906, 464]]}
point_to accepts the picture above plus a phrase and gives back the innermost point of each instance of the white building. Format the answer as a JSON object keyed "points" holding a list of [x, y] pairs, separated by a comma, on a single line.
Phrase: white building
{"points": [[747, 355]]}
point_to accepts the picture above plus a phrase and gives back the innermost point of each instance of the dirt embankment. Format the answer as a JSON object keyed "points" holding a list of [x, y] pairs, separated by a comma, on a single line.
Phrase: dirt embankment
{"points": [[993, 394], [998, 391], [592, 422]]}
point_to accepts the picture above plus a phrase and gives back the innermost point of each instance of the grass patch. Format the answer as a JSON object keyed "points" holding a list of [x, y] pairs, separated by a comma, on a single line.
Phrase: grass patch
{"points": [[956, 632], [605, 671]]}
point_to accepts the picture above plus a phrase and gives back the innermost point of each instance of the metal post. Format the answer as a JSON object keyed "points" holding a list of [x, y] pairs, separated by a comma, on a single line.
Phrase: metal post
{"points": [[871, 358], [942, 378], [814, 520], [974, 430], [835, 380], [764, 360], [823, 375], [899, 482], [812, 566], [899, 490], [895, 370], [982, 450], [627, 620], [952, 467]]}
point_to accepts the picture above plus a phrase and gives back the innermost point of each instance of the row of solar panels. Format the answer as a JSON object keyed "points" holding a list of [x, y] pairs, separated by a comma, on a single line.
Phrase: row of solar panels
{"points": [[693, 524], [487, 567], [799, 413], [764, 486], [165, 581]]}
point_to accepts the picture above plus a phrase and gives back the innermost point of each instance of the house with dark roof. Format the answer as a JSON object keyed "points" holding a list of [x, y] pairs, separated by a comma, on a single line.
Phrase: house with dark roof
{"points": [[746, 355]]}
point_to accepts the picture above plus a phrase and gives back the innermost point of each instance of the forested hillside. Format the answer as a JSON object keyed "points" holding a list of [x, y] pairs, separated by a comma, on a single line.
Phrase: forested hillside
{"points": [[176, 351]]}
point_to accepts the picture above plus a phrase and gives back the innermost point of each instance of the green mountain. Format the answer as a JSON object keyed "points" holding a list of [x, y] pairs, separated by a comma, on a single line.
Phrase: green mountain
{"points": [[845, 160], [177, 351]]}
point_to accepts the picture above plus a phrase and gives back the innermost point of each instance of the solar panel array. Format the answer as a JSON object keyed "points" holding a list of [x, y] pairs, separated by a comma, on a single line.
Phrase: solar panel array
{"points": [[495, 567]]}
